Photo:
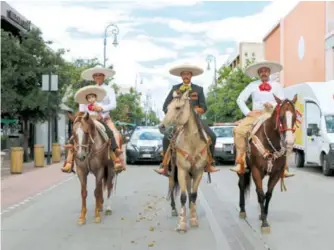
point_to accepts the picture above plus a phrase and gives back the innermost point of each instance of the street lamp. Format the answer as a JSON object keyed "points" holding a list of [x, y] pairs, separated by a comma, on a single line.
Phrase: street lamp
{"points": [[114, 32], [210, 59]]}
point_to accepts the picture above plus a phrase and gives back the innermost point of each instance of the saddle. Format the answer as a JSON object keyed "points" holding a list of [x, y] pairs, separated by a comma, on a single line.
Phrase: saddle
{"points": [[101, 129]]}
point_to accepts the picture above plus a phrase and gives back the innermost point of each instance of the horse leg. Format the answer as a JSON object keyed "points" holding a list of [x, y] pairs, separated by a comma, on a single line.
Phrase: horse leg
{"points": [[109, 184], [98, 192], [182, 177], [244, 185], [189, 181], [257, 177], [172, 193], [193, 197], [83, 181], [265, 227]]}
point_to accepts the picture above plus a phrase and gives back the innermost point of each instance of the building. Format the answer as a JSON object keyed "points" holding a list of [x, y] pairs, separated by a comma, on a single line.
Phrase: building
{"points": [[12, 21], [303, 43], [246, 50]]}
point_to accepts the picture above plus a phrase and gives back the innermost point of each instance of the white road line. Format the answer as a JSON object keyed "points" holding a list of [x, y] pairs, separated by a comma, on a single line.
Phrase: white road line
{"points": [[221, 240], [30, 198]]}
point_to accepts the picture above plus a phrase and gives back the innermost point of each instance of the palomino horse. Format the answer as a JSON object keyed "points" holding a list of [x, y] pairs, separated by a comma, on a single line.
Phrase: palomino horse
{"points": [[91, 154], [268, 148], [190, 151]]}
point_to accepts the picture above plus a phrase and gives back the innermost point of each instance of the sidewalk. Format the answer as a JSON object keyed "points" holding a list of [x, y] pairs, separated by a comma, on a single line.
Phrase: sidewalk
{"points": [[16, 188]]}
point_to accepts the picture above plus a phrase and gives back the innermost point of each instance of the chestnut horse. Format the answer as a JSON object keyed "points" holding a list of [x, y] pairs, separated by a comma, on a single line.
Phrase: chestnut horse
{"points": [[268, 148], [91, 155]]}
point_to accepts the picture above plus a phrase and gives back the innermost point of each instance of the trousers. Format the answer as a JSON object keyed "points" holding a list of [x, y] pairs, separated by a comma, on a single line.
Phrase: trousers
{"points": [[110, 134], [207, 129]]}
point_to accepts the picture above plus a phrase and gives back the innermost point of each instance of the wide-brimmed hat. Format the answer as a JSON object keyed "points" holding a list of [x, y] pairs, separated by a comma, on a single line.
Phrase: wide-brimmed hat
{"points": [[177, 70], [81, 94], [88, 73], [253, 69]]}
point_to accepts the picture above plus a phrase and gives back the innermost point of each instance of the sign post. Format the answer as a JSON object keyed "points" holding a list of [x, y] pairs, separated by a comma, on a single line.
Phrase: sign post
{"points": [[49, 83]]}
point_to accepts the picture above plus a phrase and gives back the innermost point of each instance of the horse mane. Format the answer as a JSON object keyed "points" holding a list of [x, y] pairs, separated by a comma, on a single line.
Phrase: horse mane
{"points": [[198, 124]]}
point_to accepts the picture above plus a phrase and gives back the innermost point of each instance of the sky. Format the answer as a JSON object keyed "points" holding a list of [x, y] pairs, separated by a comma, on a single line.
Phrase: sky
{"points": [[154, 35]]}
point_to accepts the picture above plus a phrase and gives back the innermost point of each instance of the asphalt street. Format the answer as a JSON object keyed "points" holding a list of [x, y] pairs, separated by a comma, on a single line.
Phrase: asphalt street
{"points": [[301, 218]]}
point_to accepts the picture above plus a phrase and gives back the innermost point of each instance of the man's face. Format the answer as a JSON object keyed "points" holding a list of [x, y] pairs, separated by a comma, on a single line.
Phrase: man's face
{"points": [[98, 78], [186, 77], [264, 74]]}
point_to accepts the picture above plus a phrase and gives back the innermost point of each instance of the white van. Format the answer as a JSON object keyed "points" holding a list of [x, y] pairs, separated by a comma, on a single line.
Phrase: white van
{"points": [[315, 136]]}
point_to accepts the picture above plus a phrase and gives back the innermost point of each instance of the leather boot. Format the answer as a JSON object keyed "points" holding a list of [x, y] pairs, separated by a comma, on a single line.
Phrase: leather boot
{"points": [[240, 167], [287, 173], [162, 170], [211, 168]]}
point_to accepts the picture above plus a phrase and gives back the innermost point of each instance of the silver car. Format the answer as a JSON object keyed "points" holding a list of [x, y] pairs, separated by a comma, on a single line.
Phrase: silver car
{"points": [[145, 145], [224, 150]]}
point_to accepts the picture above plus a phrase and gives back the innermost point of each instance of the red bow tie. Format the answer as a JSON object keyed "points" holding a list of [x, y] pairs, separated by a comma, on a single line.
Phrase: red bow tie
{"points": [[90, 107], [265, 86]]}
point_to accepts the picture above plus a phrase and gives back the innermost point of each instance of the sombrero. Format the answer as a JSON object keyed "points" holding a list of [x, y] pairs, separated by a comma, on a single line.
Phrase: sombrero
{"points": [[88, 73], [81, 94], [177, 70], [253, 69]]}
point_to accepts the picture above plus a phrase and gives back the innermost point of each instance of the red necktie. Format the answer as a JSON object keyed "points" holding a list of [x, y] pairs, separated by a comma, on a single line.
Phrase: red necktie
{"points": [[90, 107], [265, 86]]}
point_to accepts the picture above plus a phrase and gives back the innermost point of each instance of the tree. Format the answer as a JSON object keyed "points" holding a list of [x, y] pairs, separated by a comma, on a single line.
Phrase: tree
{"points": [[152, 118], [23, 63], [230, 83]]}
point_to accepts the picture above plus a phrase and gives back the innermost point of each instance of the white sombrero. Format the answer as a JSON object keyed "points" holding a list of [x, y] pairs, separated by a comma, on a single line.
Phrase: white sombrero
{"points": [[253, 69], [177, 70], [88, 73], [81, 94]]}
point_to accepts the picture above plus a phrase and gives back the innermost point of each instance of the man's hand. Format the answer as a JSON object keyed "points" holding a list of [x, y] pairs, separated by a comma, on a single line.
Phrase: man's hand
{"points": [[268, 105], [97, 108], [199, 110], [254, 113]]}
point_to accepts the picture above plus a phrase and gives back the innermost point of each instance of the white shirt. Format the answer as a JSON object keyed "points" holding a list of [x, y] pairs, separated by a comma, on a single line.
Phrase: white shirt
{"points": [[108, 103], [259, 98]]}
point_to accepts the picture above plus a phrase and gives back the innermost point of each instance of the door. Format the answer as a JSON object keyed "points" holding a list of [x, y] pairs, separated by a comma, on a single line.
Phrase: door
{"points": [[313, 138]]}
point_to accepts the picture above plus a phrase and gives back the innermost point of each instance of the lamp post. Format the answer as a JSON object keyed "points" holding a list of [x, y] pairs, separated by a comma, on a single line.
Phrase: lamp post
{"points": [[49, 84], [210, 59], [114, 31]]}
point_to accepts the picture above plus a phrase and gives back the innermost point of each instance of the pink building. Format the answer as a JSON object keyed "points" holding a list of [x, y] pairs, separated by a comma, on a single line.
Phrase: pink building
{"points": [[303, 42]]}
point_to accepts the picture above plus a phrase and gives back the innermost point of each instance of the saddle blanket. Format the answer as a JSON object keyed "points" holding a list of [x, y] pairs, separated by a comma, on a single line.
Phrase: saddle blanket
{"points": [[101, 129]]}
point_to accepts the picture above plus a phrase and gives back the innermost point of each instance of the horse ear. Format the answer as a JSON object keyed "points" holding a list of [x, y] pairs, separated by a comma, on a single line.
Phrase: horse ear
{"points": [[70, 116], [277, 99], [86, 116], [294, 100]]}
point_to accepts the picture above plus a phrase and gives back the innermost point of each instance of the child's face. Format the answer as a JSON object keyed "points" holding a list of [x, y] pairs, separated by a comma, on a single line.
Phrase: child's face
{"points": [[91, 98]]}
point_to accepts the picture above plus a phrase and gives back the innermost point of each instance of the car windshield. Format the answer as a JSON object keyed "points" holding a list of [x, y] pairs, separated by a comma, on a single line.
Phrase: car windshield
{"points": [[329, 123], [147, 135], [224, 132]]}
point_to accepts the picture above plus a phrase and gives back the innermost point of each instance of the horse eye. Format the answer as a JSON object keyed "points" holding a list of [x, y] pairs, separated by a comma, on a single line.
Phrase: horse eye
{"points": [[177, 108]]}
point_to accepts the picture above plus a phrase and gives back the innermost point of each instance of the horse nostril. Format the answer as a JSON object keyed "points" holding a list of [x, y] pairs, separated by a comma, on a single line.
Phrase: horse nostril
{"points": [[178, 108]]}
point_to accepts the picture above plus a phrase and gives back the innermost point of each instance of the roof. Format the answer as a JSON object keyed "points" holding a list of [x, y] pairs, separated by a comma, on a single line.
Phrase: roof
{"points": [[275, 27]]}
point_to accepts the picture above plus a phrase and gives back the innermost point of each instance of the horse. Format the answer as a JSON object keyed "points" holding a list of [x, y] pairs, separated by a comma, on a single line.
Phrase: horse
{"points": [[267, 155], [189, 150], [91, 155]]}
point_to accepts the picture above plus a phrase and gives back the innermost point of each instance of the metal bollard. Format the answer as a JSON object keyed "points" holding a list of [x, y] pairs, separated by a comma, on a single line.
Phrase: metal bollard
{"points": [[16, 160], [39, 157]]}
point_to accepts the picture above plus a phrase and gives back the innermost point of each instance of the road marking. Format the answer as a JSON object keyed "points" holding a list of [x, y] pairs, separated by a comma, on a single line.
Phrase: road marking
{"points": [[221, 240], [30, 198]]}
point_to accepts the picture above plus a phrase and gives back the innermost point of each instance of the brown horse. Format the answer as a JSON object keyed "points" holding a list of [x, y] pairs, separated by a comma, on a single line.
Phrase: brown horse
{"points": [[91, 155], [267, 156], [189, 156]]}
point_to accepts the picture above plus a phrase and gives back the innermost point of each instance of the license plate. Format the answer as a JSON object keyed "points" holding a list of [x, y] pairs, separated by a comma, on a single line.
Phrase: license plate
{"points": [[146, 155]]}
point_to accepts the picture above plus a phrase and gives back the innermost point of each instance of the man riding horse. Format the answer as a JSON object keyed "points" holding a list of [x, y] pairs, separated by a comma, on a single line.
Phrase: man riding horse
{"points": [[186, 72], [102, 108], [263, 102]]}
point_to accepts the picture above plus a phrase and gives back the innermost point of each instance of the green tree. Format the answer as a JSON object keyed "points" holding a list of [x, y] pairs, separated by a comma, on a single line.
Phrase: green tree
{"points": [[152, 118], [230, 83], [24, 61]]}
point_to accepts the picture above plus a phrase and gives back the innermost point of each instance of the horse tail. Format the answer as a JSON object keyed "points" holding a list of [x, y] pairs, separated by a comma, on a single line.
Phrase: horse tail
{"points": [[174, 186], [108, 177]]}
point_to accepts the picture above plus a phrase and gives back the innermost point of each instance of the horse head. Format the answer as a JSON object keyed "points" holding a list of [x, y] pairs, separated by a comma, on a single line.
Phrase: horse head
{"points": [[179, 110], [285, 117], [84, 132]]}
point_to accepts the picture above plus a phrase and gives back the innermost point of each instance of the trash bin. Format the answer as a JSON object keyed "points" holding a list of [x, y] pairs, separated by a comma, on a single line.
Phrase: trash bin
{"points": [[39, 156], [16, 160], [56, 152]]}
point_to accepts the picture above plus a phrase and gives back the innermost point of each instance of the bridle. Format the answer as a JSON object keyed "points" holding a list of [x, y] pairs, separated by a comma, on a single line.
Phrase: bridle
{"points": [[278, 119]]}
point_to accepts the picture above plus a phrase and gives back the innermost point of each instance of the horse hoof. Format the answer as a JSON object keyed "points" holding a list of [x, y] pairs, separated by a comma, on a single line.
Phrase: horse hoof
{"points": [[194, 222], [108, 212], [97, 220], [81, 221], [242, 215], [265, 229], [174, 213]]}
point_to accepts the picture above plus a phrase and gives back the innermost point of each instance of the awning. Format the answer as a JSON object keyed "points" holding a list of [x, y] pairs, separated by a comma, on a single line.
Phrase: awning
{"points": [[8, 121]]}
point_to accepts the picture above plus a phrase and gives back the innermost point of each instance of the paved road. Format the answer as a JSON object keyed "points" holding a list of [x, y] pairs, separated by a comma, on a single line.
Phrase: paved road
{"points": [[300, 218]]}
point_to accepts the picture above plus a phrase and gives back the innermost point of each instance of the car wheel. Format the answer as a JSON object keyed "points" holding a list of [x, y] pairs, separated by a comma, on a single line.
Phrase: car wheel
{"points": [[325, 167], [299, 159]]}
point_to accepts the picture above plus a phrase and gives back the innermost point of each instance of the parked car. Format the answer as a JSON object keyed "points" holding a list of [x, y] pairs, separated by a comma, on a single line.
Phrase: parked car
{"points": [[224, 150], [145, 145]]}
